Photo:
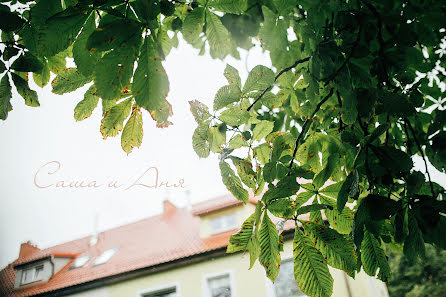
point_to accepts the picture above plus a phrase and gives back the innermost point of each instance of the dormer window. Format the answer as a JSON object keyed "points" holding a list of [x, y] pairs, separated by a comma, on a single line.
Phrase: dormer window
{"points": [[80, 261], [32, 274], [223, 223], [105, 256]]}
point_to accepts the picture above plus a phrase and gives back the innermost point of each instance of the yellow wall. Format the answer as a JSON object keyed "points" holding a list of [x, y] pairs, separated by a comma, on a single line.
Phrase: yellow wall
{"points": [[191, 278], [242, 212], [247, 283]]}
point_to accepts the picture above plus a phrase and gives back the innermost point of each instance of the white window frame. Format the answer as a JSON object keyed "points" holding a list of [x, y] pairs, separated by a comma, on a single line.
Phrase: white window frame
{"points": [[206, 277], [224, 228], [77, 265], [157, 289], [270, 292], [33, 270], [115, 250]]}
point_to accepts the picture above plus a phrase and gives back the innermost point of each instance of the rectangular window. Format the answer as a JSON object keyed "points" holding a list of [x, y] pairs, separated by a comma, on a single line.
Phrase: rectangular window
{"points": [[219, 286], [223, 223], [285, 284], [32, 274], [171, 292]]}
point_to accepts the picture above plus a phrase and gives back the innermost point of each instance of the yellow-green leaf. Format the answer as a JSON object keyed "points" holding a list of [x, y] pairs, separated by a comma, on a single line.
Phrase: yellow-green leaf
{"points": [[68, 80], [113, 120], [85, 108], [132, 135]]}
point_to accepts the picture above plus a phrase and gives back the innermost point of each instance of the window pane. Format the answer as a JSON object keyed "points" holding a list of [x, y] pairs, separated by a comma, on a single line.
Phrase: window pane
{"points": [[165, 293], [285, 285], [27, 276], [219, 286], [224, 223], [38, 272], [216, 224], [105, 256]]}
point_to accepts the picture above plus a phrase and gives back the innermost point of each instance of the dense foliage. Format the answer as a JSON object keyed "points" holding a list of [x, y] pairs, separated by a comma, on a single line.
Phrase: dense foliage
{"points": [[425, 278], [354, 93]]}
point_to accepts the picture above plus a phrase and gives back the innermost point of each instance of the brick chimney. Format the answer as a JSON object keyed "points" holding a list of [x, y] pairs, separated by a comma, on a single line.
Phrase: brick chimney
{"points": [[27, 249], [169, 209]]}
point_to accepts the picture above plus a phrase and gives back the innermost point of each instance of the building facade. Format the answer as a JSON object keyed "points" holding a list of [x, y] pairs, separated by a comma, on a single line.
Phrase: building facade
{"points": [[180, 253]]}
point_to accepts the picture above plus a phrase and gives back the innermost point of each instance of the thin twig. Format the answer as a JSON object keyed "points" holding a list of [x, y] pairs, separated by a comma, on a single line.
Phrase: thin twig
{"points": [[364, 129], [304, 127], [275, 79], [355, 44], [422, 154]]}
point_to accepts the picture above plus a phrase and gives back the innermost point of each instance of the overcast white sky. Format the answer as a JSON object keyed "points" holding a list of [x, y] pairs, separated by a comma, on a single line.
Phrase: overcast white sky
{"points": [[32, 137]]}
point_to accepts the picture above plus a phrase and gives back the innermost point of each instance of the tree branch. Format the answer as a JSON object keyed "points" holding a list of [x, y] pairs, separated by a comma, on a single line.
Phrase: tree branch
{"points": [[422, 154], [275, 79], [304, 127], [355, 44]]}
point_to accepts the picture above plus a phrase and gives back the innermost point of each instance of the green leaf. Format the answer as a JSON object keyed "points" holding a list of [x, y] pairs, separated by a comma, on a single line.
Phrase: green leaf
{"points": [[57, 63], [341, 222], [193, 25], [237, 141], [414, 243], [199, 111], [218, 139], [310, 268], [133, 131], [336, 248], [54, 30], [320, 178], [373, 257], [239, 241], [281, 208], [112, 74], [315, 207], [10, 21], [269, 248], [151, 85], [217, 36], [286, 187], [232, 76], [226, 95], [262, 153], [43, 77], [68, 80], [436, 152], [114, 119], [235, 116], [244, 170], [27, 63], [262, 129], [349, 189], [84, 59], [200, 140], [5, 97], [233, 183], [259, 78], [23, 89], [85, 108], [229, 6], [112, 35], [270, 172], [253, 249]]}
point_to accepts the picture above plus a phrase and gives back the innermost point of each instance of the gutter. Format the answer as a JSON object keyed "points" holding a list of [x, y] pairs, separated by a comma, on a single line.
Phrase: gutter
{"points": [[134, 273], [219, 252]]}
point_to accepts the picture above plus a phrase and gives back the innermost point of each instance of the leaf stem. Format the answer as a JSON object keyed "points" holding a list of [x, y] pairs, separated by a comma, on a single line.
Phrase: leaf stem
{"points": [[275, 79], [422, 155], [304, 127]]}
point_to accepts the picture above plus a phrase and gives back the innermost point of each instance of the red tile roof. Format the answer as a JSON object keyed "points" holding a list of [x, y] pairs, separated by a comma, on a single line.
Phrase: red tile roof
{"points": [[153, 241], [218, 203]]}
